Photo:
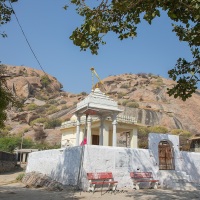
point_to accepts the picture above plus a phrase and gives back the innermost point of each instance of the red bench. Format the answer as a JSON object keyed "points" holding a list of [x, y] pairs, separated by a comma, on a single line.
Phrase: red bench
{"points": [[139, 177], [101, 178]]}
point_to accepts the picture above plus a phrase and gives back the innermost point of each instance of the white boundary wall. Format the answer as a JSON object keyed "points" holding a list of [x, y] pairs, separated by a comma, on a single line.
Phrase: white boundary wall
{"points": [[63, 164]]}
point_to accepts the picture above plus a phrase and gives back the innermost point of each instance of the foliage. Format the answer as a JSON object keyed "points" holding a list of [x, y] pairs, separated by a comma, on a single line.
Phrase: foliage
{"points": [[45, 81], [181, 132], [52, 123], [20, 176], [132, 104], [124, 86], [187, 74], [63, 102], [143, 133], [120, 95], [7, 99], [52, 101], [123, 17], [31, 106], [38, 120], [125, 102], [52, 109], [64, 107], [84, 93], [4, 131], [158, 129], [5, 14], [8, 144]]}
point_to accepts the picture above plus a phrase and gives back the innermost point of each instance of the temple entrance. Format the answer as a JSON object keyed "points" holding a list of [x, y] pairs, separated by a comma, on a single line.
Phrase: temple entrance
{"points": [[95, 139], [166, 156]]}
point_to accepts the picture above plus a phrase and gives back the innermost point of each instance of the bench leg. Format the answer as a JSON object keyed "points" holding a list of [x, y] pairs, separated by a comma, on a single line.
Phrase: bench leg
{"points": [[91, 188], [154, 185], [136, 186], [112, 186]]}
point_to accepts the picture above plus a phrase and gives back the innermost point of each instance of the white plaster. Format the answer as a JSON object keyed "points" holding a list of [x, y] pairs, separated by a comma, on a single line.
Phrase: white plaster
{"points": [[64, 165], [89, 133], [134, 138], [106, 134]]}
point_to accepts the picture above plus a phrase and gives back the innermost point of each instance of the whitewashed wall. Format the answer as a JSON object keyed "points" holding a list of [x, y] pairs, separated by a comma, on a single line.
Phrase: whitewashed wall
{"points": [[60, 164], [120, 161], [63, 165], [190, 163]]}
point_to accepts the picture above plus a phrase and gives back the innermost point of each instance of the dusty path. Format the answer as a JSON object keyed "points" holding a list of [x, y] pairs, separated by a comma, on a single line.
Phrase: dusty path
{"points": [[12, 190]]}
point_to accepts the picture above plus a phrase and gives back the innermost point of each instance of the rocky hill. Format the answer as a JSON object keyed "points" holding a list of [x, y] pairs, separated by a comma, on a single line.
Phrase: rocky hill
{"points": [[145, 98], [46, 105]]}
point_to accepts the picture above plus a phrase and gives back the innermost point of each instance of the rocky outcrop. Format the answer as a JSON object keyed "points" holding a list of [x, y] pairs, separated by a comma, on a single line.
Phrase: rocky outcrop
{"points": [[38, 180], [155, 106], [27, 82], [142, 96]]}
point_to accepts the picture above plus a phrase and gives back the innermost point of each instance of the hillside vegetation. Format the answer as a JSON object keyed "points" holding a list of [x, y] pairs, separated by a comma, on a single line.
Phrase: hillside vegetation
{"points": [[143, 96]]}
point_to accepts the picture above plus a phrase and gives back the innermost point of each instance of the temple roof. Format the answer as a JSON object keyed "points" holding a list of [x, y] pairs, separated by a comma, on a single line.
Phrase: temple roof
{"points": [[97, 103]]}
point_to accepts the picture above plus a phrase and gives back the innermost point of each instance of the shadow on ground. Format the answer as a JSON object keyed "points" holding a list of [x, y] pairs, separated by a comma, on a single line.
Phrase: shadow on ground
{"points": [[164, 194]]}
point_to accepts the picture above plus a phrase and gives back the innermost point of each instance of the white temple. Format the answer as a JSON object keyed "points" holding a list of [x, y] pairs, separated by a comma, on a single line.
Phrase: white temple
{"points": [[96, 121]]}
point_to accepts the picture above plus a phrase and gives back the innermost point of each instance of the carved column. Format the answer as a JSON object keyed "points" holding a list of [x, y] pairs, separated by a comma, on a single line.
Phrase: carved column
{"points": [[77, 130]]}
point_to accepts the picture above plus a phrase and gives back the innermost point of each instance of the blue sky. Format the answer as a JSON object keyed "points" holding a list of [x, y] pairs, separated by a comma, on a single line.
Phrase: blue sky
{"points": [[48, 27]]}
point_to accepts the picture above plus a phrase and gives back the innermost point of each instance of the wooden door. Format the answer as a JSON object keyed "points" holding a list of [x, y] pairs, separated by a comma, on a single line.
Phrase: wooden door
{"points": [[166, 156], [95, 139]]}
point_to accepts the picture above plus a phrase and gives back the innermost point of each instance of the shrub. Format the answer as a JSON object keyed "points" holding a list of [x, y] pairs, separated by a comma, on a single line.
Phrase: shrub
{"points": [[158, 129], [51, 111], [132, 104], [31, 106], [5, 131], [45, 81], [20, 177], [181, 132], [8, 144], [84, 93], [64, 107], [38, 120], [52, 101], [52, 123], [120, 94], [143, 131], [125, 102], [40, 109], [124, 86], [63, 102]]}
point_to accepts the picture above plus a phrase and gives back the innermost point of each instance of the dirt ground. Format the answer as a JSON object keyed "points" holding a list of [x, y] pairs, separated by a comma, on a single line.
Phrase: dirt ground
{"points": [[10, 189]]}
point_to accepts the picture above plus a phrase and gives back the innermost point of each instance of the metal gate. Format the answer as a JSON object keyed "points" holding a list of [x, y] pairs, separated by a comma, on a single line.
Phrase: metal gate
{"points": [[166, 156]]}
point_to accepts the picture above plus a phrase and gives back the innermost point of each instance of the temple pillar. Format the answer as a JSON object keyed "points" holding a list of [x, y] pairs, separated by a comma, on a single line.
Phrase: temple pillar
{"points": [[81, 135], [134, 138], [101, 130], [77, 130], [89, 130], [105, 134], [114, 123]]}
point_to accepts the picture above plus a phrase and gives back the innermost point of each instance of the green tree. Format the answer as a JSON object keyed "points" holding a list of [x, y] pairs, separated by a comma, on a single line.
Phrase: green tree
{"points": [[122, 18], [6, 97], [5, 14]]}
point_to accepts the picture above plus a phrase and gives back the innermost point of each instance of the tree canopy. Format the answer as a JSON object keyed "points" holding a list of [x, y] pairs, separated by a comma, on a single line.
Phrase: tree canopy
{"points": [[122, 18], [7, 98]]}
